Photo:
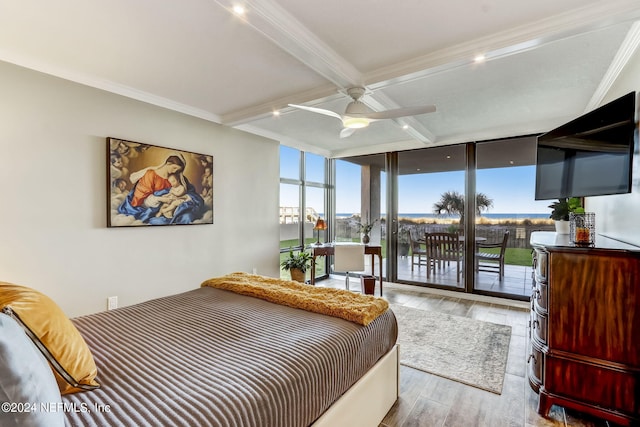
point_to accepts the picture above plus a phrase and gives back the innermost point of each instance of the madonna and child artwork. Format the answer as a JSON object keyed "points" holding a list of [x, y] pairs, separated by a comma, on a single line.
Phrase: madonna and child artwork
{"points": [[151, 185]]}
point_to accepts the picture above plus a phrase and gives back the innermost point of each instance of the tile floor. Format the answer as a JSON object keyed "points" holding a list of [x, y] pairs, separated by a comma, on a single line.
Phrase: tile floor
{"points": [[429, 400]]}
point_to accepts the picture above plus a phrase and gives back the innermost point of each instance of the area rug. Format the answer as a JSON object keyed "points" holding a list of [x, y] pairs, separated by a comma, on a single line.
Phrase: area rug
{"points": [[466, 350]]}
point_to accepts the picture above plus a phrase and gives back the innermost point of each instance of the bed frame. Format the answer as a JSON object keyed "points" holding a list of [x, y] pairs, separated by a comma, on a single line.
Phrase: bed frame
{"points": [[367, 402]]}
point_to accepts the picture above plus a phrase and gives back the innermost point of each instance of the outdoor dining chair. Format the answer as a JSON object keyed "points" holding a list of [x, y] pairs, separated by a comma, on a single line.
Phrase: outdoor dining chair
{"points": [[443, 248], [492, 261], [417, 251]]}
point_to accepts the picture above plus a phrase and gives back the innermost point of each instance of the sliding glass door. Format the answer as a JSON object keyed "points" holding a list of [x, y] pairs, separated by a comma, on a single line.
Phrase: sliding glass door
{"points": [[507, 214], [480, 191], [430, 194]]}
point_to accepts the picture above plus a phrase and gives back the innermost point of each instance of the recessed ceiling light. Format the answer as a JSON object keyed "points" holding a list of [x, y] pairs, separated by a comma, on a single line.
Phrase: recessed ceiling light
{"points": [[405, 127], [238, 9], [479, 58], [276, 113]]}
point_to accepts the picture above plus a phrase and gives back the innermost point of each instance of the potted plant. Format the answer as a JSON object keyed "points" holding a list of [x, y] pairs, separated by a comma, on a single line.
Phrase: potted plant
{"points": [[297, 265], [560, 212], [403, 242], [365, 228]]}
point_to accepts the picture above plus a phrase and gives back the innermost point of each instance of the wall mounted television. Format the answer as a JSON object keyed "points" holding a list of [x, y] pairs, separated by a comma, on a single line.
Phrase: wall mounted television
{"points": [[589, 156]]}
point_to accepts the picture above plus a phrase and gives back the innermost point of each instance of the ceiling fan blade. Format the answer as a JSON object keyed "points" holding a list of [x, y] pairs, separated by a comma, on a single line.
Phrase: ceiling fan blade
{"points": [[398, 112], [318, 110], [346, 132]]}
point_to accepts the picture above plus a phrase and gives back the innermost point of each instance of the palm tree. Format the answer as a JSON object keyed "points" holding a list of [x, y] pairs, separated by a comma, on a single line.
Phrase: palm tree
{"points": [[452, 202]]}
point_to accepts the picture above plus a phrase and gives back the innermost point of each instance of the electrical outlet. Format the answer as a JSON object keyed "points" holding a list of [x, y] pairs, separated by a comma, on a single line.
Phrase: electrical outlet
{"points": [[255, 270], [112, 303]]}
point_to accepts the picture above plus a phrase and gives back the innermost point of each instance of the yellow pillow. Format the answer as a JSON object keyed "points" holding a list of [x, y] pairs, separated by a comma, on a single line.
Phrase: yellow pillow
{"points": [[54, 334]]}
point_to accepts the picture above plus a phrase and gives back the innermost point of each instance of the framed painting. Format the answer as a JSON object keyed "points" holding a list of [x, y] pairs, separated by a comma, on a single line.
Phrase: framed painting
{"points": [[151, 185]]}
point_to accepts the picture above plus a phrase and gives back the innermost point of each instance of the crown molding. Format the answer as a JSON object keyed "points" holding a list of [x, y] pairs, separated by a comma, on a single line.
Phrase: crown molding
{"points": [[624, 54], [106, 85]]}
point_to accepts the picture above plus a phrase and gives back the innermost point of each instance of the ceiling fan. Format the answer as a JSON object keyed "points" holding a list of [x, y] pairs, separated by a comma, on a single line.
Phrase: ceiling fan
{"points": [[357, 115]]}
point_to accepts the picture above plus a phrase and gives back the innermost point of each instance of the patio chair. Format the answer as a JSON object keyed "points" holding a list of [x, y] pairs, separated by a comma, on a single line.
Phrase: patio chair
{"points": [[417, 250], [442, 248], [492, 261]]}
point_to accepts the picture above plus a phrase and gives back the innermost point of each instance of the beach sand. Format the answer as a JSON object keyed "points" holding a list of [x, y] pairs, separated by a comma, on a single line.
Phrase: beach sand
{"points": [[480, 221]]}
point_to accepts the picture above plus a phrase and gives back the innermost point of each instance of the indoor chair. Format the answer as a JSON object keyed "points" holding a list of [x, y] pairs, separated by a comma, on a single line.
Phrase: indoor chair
{"points": [[348, 258]]}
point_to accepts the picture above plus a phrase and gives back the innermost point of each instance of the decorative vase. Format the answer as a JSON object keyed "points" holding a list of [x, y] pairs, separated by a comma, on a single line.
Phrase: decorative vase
{"points": [[365, 239], [297, 275], [582, 228], [562, 227]]}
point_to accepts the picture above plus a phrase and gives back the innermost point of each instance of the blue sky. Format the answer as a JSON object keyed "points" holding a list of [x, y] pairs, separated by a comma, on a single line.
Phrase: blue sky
{"points": [[511, 189]]}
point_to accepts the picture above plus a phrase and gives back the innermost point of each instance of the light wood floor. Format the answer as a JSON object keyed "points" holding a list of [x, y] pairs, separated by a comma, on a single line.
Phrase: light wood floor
{"points": [[428, 400]]}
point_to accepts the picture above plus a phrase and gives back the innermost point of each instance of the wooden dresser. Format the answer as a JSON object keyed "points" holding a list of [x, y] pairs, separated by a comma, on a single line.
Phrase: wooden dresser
{"points": [[584, 343]]}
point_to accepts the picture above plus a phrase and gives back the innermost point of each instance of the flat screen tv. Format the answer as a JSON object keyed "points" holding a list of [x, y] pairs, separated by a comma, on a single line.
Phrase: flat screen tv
{"points": [[589, 156]]}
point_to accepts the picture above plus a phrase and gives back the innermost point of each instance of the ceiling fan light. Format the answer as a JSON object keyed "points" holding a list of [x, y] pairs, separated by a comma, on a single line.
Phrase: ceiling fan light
{"points": [[355, 122]]}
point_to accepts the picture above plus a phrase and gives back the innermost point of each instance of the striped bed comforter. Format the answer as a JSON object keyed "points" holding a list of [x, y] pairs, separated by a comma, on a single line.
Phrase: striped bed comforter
{"points": [[210, 357]]}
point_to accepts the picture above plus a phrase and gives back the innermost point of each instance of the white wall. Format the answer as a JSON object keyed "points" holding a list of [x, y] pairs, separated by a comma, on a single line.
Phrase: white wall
{"points": [[617, 216], [53, 234]]}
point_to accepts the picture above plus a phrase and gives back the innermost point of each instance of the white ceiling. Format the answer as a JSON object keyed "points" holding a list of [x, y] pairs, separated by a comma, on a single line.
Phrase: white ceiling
{"points": [[547, 61]]}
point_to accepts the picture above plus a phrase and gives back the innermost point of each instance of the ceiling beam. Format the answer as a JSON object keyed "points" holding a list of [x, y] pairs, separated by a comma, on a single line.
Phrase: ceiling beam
{"points": [[260, 111], [285, 141], [379, 101], [272, 21]]}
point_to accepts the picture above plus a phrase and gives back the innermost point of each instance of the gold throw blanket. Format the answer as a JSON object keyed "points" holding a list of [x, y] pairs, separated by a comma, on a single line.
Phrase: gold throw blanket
{"points": [[357, 308]]}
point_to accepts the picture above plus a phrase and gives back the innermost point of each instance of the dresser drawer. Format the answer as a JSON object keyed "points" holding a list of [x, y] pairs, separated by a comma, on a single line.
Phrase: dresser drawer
{"points": [[539, 327], [542, 265], [540, 296], [535, 363]]}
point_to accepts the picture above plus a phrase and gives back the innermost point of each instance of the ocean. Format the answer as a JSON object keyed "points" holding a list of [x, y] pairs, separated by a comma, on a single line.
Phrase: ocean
{"points": [[484, 215]]}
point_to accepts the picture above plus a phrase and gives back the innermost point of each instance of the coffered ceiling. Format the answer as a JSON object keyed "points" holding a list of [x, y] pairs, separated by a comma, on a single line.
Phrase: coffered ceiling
{"points": [[545, 62]]}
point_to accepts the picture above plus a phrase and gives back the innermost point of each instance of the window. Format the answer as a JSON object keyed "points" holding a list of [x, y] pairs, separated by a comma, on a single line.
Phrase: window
{"points": [[302, 201], [348, 196]]}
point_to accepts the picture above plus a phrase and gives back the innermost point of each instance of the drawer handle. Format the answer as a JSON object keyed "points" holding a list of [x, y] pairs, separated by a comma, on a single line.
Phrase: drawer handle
{"points": [[531, 356], [537, 294], [536, 324]]}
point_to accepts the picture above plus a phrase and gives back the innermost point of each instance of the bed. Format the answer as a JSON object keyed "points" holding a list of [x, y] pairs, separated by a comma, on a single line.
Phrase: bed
{"points": [[214, 357]]}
